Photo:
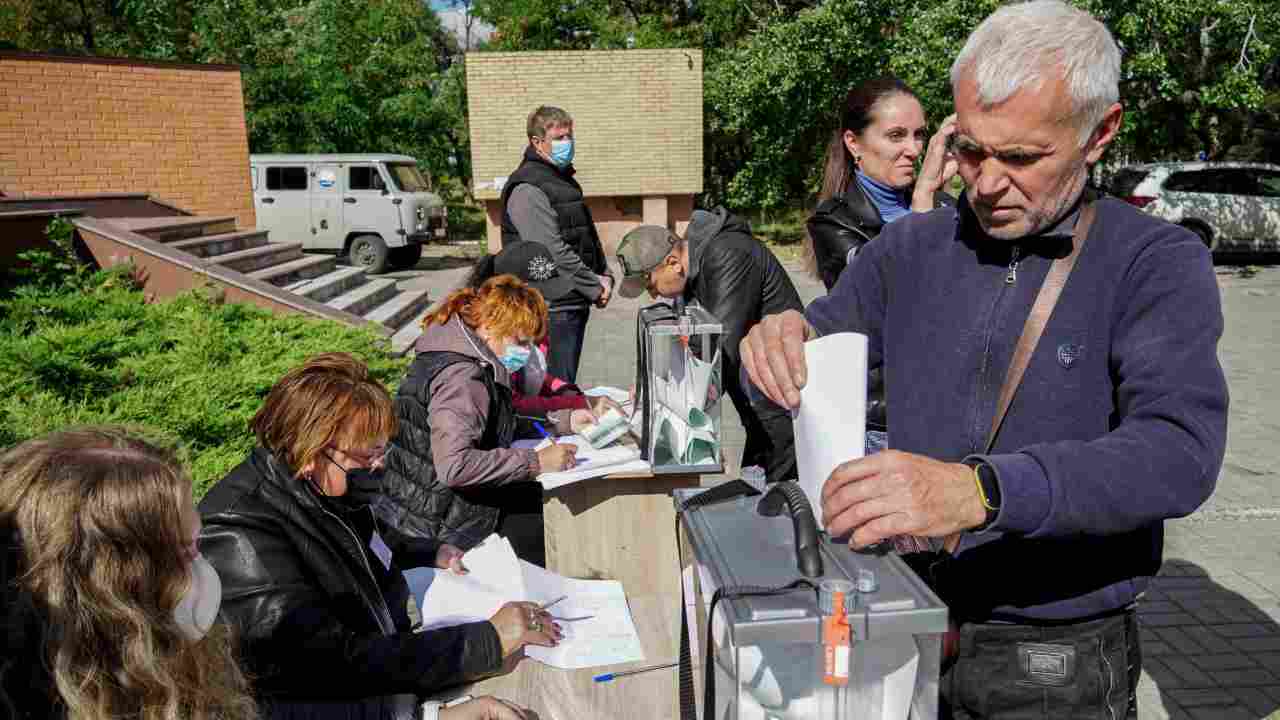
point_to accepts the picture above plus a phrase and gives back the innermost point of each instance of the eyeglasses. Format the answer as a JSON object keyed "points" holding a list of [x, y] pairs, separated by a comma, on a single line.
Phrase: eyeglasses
{"points": [[368, 457]]}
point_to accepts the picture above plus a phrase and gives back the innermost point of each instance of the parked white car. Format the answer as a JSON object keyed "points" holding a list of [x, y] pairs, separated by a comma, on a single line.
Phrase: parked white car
{"points": [[376, 209], [1233, 207]]}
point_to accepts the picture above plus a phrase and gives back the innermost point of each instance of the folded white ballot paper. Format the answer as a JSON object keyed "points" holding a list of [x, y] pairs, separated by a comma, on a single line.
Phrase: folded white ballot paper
{"points": [[594, 615], [831, 422], [592, 462]]}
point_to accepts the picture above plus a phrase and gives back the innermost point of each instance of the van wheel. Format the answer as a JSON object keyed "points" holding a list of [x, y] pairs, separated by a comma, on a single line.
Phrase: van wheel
{"points": [[369, 252], [406, 257]]}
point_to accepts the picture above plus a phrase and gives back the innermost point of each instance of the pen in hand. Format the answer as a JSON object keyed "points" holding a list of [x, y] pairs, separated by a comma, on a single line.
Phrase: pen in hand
{"points": [[543, 432]]}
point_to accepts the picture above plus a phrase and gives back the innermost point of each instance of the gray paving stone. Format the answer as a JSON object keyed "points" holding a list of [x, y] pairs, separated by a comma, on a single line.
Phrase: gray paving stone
{"points": [[1183, 642], [1149, 608], [1258, 701], [1223, 662], [1156, 647], [1160, 673], [1189, 698], [1167, 619], [1259, 644], [1271, 661], [1191, 676], [1208, 614], [1251, 677], [1234, 712], [1239, 630], [1207, 639]]}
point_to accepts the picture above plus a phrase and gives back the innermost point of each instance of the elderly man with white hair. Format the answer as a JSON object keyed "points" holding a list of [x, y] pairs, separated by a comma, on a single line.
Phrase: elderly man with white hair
{"points": [[1052, 363]]}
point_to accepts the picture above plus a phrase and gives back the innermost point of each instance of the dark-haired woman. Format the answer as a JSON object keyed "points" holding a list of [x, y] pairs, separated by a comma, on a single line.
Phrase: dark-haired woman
{"points": [[870, 175], [869, 181]]}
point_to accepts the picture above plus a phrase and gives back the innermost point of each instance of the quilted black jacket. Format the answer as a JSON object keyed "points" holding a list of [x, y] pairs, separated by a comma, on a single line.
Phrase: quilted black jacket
{"points": [[323, 622]]}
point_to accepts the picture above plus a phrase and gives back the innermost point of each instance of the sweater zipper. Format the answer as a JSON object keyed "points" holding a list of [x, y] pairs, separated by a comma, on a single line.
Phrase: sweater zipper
{"points": [[365, 560], [1012, 276]]}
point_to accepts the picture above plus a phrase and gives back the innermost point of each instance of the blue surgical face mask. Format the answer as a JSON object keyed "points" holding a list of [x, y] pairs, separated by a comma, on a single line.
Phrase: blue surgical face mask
{"points": [[515, 357], [562, 152]]}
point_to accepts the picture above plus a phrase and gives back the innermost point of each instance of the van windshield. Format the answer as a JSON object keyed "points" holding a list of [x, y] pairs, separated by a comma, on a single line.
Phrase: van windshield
{"points": [[407, 178]]}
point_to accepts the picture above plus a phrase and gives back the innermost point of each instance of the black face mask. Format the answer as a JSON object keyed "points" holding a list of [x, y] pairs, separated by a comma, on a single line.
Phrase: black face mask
{"points": [[364, 485]]}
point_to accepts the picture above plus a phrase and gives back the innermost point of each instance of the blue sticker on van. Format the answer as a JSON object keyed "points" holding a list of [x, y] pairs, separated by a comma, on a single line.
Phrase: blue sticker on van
{"points": [[326, 182]]}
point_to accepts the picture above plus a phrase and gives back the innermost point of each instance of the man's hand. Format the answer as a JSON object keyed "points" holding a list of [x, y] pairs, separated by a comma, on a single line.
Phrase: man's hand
{"points": [[896, 493], [773, 355], [938, 168], [606, 294], [449, 558]]}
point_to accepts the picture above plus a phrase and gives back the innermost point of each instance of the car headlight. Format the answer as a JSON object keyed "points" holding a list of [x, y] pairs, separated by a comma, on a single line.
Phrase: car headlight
{"points": [[422, 214]]}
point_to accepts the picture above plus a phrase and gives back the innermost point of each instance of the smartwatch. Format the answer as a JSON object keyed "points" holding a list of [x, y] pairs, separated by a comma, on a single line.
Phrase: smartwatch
{"points": [[990, 488]]}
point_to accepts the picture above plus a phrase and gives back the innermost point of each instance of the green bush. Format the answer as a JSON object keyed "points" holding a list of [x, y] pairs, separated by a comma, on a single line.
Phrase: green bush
{"points": [[92, 349]]}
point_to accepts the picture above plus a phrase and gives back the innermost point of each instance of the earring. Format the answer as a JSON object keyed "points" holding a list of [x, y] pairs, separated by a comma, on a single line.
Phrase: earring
{"points": [[857, 159]]}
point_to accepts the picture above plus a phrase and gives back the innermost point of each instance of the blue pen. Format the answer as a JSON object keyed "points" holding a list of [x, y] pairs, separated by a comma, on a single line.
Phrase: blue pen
{"points": [[538, 426], [606, 677]]}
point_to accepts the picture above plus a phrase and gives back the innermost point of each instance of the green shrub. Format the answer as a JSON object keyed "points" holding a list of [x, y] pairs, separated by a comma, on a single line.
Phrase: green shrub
{"points": [[89, 348]]}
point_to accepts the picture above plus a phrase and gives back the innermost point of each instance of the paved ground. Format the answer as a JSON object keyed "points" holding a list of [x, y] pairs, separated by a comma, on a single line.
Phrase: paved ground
{"points": [[1211, 624]]}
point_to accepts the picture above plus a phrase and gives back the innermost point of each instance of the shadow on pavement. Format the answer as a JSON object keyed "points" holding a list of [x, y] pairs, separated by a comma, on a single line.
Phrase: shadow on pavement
{"points": [[1209, 651]]}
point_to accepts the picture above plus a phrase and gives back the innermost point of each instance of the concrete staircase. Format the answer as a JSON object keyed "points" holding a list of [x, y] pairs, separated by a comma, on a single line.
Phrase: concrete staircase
{"points": [[285, 265]]}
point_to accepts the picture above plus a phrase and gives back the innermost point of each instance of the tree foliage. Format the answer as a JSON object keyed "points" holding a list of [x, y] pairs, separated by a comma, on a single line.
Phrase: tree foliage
{"points": [[347, 75]]}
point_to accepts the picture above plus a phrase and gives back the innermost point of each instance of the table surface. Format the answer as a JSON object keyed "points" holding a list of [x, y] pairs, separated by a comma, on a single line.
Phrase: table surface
{"points": [[572, 694]]}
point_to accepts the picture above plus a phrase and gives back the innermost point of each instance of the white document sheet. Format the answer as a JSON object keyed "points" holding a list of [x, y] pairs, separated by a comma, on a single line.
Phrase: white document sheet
{"points": [[831, 422], [618, 395], [594, 615], [592, 462]]}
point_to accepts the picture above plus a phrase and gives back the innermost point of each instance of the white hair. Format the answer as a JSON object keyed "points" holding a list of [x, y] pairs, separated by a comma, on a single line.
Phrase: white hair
{"points": [[1020, 46]]}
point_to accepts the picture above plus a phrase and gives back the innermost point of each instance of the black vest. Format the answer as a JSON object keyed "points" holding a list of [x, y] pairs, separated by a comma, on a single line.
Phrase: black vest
{"points": [[415, 500], [577, 228]]}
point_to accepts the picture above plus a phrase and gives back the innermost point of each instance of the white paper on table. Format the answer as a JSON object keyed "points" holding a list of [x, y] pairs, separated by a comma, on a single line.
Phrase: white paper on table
{"points": [[604, 632], [830, 424], [592, 462], [618, 395]]}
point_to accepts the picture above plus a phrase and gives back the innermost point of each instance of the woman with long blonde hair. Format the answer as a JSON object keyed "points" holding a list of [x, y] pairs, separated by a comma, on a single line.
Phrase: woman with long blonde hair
{"points": [[106, 606]]}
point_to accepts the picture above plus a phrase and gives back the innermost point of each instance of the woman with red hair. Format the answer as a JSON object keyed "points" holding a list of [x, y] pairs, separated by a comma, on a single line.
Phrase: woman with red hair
{"points": [[451, 473]]}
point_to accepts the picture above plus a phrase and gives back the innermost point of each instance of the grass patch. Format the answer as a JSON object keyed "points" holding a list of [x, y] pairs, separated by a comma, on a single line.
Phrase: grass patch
{"points": [[87, 348], [781, 230]]}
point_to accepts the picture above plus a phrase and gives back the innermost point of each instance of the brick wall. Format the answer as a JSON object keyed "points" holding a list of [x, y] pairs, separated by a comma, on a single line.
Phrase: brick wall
{"points": [[637, 116], [92, 125]]}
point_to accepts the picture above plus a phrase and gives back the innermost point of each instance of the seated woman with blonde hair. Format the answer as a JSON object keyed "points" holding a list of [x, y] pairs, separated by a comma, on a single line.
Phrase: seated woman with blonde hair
{"points": [[106, 607], [451, 471], [313, 581]]}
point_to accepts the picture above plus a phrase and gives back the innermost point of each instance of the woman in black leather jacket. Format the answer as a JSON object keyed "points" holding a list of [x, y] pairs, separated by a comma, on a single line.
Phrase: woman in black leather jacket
{"points": [[869, 181], [313, 582], [870, 175]]}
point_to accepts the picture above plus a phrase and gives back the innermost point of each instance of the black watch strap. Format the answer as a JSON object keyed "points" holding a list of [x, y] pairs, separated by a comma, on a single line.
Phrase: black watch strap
{"points": [[990, 490]]}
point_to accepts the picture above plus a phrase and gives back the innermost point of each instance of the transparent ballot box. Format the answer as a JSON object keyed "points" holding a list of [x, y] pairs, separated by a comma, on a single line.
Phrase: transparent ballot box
{"points": [[770, 657], [680, 388]]}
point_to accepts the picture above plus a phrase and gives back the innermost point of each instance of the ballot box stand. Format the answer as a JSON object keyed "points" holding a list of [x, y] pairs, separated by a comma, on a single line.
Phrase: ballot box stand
{"points": [[768, 650]]}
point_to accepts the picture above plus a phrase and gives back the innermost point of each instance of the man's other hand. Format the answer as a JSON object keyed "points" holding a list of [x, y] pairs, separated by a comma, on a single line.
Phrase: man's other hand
{"points": [[773, 355], [897, 493], [606, 292]]}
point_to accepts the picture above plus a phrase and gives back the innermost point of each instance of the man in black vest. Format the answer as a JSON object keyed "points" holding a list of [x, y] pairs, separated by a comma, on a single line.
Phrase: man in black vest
{"points": [[542, 202]]}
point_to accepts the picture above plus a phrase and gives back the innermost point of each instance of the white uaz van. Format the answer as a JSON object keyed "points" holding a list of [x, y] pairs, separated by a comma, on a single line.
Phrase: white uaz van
{"points": [[376, 209]]}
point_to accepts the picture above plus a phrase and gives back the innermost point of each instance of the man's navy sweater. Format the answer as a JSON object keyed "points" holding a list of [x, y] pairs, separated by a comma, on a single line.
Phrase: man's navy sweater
{"points": [[1121, 418]]}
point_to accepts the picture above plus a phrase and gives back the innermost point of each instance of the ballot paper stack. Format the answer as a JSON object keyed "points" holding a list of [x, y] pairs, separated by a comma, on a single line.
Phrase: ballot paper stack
{"points": [[608, 428], [593, 614]]}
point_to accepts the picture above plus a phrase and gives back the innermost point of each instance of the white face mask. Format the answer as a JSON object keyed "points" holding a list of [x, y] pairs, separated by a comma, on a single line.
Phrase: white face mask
{"points": [[199, 605]]}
